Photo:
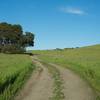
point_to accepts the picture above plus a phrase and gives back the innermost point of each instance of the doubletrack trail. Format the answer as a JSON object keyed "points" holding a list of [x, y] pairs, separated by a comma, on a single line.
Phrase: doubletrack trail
{"points": [[40, 85]]}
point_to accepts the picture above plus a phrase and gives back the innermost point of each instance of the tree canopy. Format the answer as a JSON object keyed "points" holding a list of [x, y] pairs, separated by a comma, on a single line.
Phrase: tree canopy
{"points": [[13, 39]]}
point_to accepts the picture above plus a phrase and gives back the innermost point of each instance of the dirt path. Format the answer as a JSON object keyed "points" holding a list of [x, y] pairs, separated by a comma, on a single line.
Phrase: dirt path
{"points": [[74, 87], [39, 86]]}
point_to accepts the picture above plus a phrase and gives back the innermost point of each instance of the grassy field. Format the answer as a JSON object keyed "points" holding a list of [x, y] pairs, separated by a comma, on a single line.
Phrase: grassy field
{"points": [[85, 61], [14, 69]]}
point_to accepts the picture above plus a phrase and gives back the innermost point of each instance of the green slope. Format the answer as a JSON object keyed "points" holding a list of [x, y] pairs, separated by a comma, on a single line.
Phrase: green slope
{"points": [[85, 61]]}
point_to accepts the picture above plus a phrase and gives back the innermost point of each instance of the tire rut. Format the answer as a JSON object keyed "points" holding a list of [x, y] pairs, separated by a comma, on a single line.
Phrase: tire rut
{"points": [[39, 86], [74, 87]]}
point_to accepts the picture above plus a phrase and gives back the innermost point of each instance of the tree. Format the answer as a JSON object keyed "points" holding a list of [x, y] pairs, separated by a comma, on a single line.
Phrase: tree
{"points": [[13, 39]]}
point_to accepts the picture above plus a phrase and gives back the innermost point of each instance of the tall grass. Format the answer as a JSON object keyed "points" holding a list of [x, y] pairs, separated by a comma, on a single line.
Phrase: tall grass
{"points": [[13, 71], [84, 61]]}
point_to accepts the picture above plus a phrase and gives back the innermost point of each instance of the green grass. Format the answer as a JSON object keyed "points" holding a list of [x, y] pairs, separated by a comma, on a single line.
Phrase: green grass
{"points": [[14, 69], [84, 61]]}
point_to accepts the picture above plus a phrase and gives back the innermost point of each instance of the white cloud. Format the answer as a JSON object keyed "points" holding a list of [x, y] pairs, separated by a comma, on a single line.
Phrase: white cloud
{"points": [[71, 10]]}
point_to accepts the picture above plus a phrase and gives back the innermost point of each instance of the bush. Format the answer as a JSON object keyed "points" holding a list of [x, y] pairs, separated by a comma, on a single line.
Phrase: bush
{"points": [[11, 49]]}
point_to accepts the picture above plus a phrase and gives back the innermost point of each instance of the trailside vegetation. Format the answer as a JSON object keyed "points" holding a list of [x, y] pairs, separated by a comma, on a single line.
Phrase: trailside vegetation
{"points": [[15, 69]]}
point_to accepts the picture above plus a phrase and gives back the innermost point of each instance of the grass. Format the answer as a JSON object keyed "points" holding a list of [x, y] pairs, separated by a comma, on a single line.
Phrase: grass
{"points": [[14, 69], [84, 61]]}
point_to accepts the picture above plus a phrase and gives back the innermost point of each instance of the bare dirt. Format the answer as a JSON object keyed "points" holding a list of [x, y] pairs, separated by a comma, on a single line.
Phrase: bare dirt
{"points": [[74, 87], [40, 85]]}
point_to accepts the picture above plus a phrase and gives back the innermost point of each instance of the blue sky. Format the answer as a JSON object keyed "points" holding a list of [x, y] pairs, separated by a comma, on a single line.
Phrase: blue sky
{"points": [[56, 23]]}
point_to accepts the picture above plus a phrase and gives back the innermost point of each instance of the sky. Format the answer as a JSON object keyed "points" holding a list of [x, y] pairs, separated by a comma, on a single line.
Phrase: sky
{"points": [[55, 23]]}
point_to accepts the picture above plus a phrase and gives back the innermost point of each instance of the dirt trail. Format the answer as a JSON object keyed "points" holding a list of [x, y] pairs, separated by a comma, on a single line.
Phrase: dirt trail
{"points": [[74, 87], [39, 86]]}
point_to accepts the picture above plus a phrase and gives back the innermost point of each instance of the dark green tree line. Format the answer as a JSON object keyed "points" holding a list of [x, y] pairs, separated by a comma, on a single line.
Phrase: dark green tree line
{"points": [[13, 39]]}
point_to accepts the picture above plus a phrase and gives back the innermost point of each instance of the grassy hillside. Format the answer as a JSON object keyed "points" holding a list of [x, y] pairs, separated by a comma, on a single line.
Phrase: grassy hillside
{"points": [[84, 61], [13, 70]]}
